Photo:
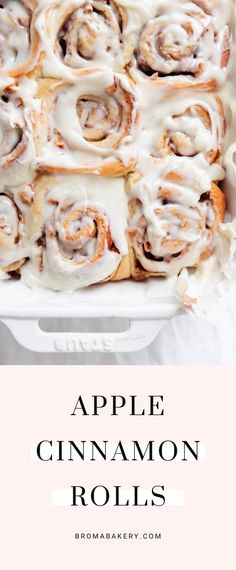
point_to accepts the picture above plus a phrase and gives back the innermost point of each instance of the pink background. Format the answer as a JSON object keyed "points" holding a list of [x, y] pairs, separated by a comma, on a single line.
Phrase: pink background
{"points": [[36, 403]]}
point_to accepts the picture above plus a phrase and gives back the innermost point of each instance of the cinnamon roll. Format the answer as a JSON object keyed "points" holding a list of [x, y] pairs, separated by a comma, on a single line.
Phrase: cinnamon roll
{"points": [[175, 212], [82, 34], [19, 41], [17, 153], [14, 210], [187, 122], [182, 37], [194, 127], [88, 126], [77, 232]]}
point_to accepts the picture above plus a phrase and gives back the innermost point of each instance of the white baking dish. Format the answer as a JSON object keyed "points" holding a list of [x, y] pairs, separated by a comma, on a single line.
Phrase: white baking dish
{"points": [[147, 306]]}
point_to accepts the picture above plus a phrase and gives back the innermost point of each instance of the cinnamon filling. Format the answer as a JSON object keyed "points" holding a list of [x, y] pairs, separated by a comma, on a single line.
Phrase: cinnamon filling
{"points": [[98, 117]]}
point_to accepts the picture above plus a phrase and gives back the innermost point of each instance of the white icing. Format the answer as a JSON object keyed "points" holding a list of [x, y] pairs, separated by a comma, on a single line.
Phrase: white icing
{"points": [[214, 276], [27, 88], [66, 265]]}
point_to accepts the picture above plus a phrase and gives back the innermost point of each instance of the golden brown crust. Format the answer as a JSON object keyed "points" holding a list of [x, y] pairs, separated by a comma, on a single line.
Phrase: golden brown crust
{"points": [[219, 201], [113, 169], [13, 267], [182, 84], [123, 271]]}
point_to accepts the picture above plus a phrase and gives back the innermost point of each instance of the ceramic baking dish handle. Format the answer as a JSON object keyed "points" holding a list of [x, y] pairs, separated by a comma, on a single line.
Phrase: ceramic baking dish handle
{"points": [[28, 334]]}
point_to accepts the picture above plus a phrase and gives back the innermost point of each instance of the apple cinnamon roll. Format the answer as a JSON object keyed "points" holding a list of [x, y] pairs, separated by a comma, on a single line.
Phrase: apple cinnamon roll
{"points": [[17, 153], [19, 41], [181, 37], [175, 212], [88, 126], [182, 122], [82, 34], [15, 204], [77, 232], [188, 125]]}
